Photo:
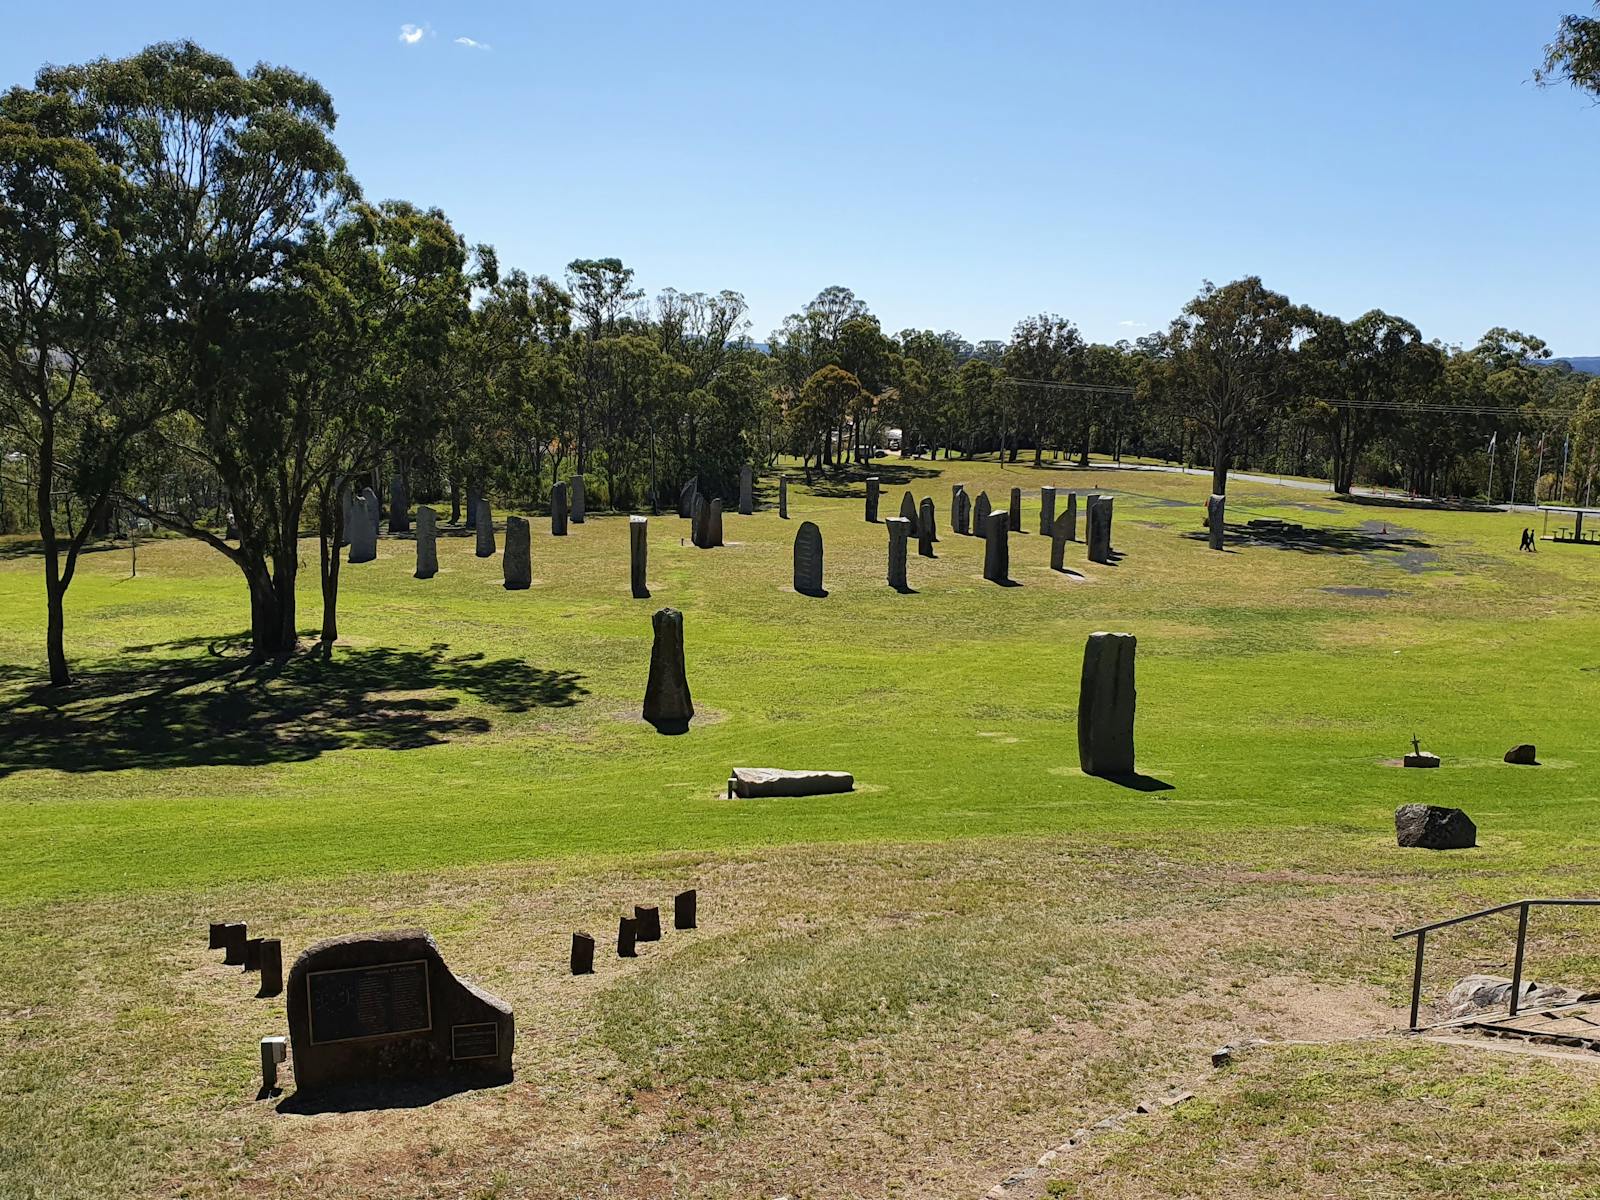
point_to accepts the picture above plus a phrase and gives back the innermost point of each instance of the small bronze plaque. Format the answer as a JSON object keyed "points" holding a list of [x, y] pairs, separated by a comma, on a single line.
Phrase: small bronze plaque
{"points": [[369, 1002], [480, 1040]]}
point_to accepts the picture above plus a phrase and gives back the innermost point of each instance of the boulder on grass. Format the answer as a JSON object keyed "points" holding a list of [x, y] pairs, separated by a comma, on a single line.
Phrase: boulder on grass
{"points": [[1422, 758], [1523, 755], [747, 782], [1432, 827]]}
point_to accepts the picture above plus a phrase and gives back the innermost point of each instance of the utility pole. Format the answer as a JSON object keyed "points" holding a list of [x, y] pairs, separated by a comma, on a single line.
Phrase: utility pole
{"points": [[1516, 463]]}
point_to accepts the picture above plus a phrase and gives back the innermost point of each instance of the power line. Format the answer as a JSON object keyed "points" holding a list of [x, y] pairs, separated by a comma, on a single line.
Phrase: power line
{"points": [[1058, 385]]}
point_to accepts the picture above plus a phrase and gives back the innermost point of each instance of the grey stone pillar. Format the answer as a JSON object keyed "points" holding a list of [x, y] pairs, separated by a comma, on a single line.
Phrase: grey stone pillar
{"points": [[1015, 515], [485, 528], [1099, 535], [427, 543], [783, 497], [517, 562], [638, 556], [347, 511], [364, 528], [747, 499], [558, 510], [1105, 705], [957, 490], [1072, 516], [997, 547], [699, 521], [899, 531], [927, 533], [1060, 535], [667, 704], [1216, 520], [980, 516], [872, 499], [808, 560], [908, 510], [1047, 511], [714, 520], [578, 498]]}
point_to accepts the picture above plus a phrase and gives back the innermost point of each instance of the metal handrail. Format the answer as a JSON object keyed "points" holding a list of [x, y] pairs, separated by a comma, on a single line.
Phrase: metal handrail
{"points": [[1421, 934]]}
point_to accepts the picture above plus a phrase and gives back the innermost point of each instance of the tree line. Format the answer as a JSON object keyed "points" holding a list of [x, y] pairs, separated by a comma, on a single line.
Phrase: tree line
{"points": [[207, 327]]}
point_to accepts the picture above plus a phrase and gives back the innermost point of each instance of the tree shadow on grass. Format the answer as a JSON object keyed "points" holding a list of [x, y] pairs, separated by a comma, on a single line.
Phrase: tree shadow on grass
{"points": [[852, 480], [1308, 540], [158, 707], [1420, 502]]}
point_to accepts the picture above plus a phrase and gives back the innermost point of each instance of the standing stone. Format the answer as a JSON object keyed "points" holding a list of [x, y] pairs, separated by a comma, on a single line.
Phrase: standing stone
{"points": [[1216, 520], [714, 518], [558, 510], [808, 560], [485, 529], [980, 516], [382, 1006], [908, 510], [271, 968], [747, 500], [473, 498], [667, 704], [577, 497], [582, 958], [252, 955], [364, 528], [1105, 705], [517, 561], [1072, 516], [646, 923], [872, 499], [1099, 534], [783, 497], [957, 490], [627, 928], [899, 530], [961, 519], [234, 935], [638, 556], [697, 509], [686, 497], [1015, 515], [347, 512], [427, 543], [1047, 511], [927, 535], [399, 505], [683, 909], [997, 548], [1060, 535]]}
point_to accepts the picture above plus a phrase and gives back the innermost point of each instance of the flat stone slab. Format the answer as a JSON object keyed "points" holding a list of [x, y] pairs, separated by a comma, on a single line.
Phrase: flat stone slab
{"points": [[1423, 758], [749, 782]]}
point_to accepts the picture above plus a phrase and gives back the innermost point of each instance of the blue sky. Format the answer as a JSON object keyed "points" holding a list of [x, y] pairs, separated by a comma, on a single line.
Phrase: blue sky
{"points": [[961, 166]]}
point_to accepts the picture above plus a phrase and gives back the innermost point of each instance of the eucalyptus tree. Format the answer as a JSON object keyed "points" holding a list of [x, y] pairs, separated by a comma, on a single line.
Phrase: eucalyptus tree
{"points": [[1047, 350], [603, 300], [1574, 56]]}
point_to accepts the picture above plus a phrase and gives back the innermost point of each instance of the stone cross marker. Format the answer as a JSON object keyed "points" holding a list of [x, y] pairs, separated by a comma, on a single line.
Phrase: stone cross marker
{"points": [[1216, 521], [686, 495], [638, 556], [558, 510], [996, 548], [808, 560], [980, 516], [747, 499], [899, 530], [1047, 511], [384, 1006], [667, 704], [1105, 705], [1099, 536], [578, 497], [908, 510], [427, 543], [1015, 515], [485, 527], [927, 534], [517, 561], [399, 505], [783, 497], [1060, 534], [1072, 516], [364, 527], [872, 499]]}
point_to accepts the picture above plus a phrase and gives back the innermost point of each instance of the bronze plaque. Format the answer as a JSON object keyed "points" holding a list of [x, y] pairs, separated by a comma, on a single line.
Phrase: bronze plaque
{"points": [[478, 1040], [382, 1000]]}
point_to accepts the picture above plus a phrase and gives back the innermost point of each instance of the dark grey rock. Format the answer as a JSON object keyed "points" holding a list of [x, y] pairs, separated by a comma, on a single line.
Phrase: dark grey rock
{"points": [[638, 556], [686, 495], [927, 533], [667, 703], [485, 529], [1047, 511], [714, 522], [1216, 521], [1072, 516], [997, 547], [1523, 755], [474, 498], [1432, 827], [750, 782], [783, 497], [516, 563], [427, 543], [364, 527], [980, 515], [1015, 513], [908, 510], [899, 531], [1099, 533], [1106, 702], [399, 505], [808, 560], [1060, 535], [872, 499], [558, 510]]}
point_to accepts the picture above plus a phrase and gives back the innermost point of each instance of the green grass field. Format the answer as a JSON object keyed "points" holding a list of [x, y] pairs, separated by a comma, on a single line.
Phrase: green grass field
{"points": [[910, 990]]}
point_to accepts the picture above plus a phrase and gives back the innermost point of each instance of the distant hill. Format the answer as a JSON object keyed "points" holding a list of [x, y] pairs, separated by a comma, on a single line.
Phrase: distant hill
{"points": [[1589, 365]]}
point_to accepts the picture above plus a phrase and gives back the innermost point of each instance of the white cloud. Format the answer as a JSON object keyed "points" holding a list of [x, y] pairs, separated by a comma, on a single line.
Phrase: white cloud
{"points": [[1132, 324], [473, 44], [412, 34]]}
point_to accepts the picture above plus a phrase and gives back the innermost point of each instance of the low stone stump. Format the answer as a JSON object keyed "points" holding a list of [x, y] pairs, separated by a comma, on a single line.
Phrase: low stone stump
{"points": [[627, 931], [646, 923], [582, 959], [517, 562], [1432, 827], [271, 968], [234, 936], [1420, 758], [1107, 699], [377, 1007], [427, 543], [749, 783], [684, 906], [1523, 755]]}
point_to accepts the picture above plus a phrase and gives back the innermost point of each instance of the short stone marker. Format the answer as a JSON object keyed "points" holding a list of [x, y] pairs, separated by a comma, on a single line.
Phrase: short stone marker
{"points": [[1431, 827], [750, 783], [1523, 755], [626, 937], [252, 955], [517, 562], [683, 910], [234, 936], [384, 1006], [427, 543], [899, 530], [667, 703], [783, 497], [872, 499], [485, 528], [270, 964], [558, 510], [274, 1053], [1047, 511], [1099, 532], [582, 958], [997, 548], [399, 505], [686, 495], [1216, 521], [908, 510], [363, 529], [1106, 701], [215, 935], [1015, 515], [1072, 516], [808, 560], [638, 556], [646, 923], [1060, 535], [747, 499], [578, 498]]}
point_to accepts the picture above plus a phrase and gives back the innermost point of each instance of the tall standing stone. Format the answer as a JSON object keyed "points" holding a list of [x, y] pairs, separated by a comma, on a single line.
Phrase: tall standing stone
{"points": [[747, 499], [980, 516], [399, 505], [997, 547], [1105, 705], [714, 520], [686, 497], [1216, 520], [1072, 516], [908, 510], [699, 521], [1099, 533], [1047, 511], [872, 499], [927, 533], [638, 556], [808, 560], [347, 512], [1015, 515], [558, 510], [961, 516], [485, 528], [899, 531], [474, 498], [957, 490], [783, 497], [427, 543], [578, 498], [364, 527], [1060, 535], [667, 704], [517, 561]]}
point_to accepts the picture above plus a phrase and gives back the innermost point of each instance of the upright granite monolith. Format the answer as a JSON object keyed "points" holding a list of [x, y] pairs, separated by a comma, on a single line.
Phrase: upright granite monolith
{"points": [[1106, 699], [578, 499], [714, 522], [347, 508], [558, 510], [808, 560], [980, 516], [427, 543], [927, 532], [1015, 513], [1060, 534], [1216, 521], [872, 499], [638, 556], [747, 498], [517, 561], [908, 510], [996, 547], [783, 497], [1099, 533], [899, 531], [399, 505], [697, 519], [485, 528], [364, 527], [667, 704], [1072, 516], [961, 514], [957, 490], [1047, 511]]}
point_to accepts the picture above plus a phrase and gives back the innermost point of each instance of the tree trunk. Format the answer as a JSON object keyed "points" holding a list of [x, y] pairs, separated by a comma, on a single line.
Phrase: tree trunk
{"points": [[1219, 467], [455, 501], [330, 532]]}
